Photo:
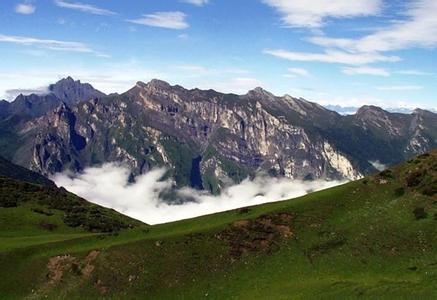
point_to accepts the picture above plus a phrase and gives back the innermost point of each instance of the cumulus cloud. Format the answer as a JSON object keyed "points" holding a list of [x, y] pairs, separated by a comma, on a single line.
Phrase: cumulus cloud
{"points": [[109, 186], [303, 13], [25, 8], [166, 19], [83, 7]]}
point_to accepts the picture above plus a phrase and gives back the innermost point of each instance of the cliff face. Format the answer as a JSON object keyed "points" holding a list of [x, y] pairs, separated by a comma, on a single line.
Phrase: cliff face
{"points": [[208, 139]]}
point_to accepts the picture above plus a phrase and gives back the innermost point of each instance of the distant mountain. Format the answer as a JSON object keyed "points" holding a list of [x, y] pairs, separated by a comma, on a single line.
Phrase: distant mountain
{"points": [[71, 91], [208, 139], [350, 110], [35, 105], [343, 110]]}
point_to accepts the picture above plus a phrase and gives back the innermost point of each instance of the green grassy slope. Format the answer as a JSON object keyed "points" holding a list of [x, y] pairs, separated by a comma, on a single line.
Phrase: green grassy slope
{"points": [[374, 238]]}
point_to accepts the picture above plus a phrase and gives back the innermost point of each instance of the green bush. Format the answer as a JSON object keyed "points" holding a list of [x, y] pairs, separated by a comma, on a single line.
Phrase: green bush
{"points": [[387, 174], [399, 192], [415, 178], [420, 213]]}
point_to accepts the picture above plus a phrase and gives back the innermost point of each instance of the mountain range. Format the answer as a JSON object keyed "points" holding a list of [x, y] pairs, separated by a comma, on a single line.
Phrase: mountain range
{"points": [[350, 110], [204, 138]]}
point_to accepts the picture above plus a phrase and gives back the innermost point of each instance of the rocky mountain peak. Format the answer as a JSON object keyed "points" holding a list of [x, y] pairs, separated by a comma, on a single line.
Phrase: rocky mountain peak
{"points": [[419, 111], [370, 111], [141, 84], [259, 92], [64, 82], [158, 84], [72, 91], [369, 108]]}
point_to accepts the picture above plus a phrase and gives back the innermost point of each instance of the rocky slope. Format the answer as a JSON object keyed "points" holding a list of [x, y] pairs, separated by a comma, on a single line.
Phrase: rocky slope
{"points": [[208, 139]]}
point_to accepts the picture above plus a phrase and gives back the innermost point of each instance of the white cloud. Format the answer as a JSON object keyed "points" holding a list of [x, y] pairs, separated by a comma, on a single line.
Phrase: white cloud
{"points": [[25, 8], [312, 14], [377, 165], [368, 99], [50, 44], [293, 72], [365, 70], [414, 73], [169, 19], [109, 186], [332, 56], [83, 7], [419, 29], [10, 95], [196, 2], [400, 88]]}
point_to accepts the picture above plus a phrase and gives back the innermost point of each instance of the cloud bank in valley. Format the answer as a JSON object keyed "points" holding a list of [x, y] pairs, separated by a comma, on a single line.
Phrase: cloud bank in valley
{"points": [[109, 186]]}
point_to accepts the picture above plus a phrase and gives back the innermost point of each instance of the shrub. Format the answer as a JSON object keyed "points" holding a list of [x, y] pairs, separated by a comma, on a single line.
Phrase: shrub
{"points": [[8, 201], [387, 174], [42, 211], [430, 190], [415, 178], [243, 210], [420, 213], [399, 192], [48, 226]]}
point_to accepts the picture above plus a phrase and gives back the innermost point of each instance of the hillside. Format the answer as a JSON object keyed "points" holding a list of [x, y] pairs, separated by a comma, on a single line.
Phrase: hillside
{"points": [[31, 206], [373, 238], [8, 169]]}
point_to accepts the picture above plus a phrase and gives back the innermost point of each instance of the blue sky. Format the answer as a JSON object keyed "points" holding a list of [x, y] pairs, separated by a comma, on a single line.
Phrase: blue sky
{"points": [[333, 52]]}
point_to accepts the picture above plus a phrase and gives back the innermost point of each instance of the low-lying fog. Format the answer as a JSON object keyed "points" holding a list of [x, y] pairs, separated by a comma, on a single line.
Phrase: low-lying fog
{"points": [[109, 186]]}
